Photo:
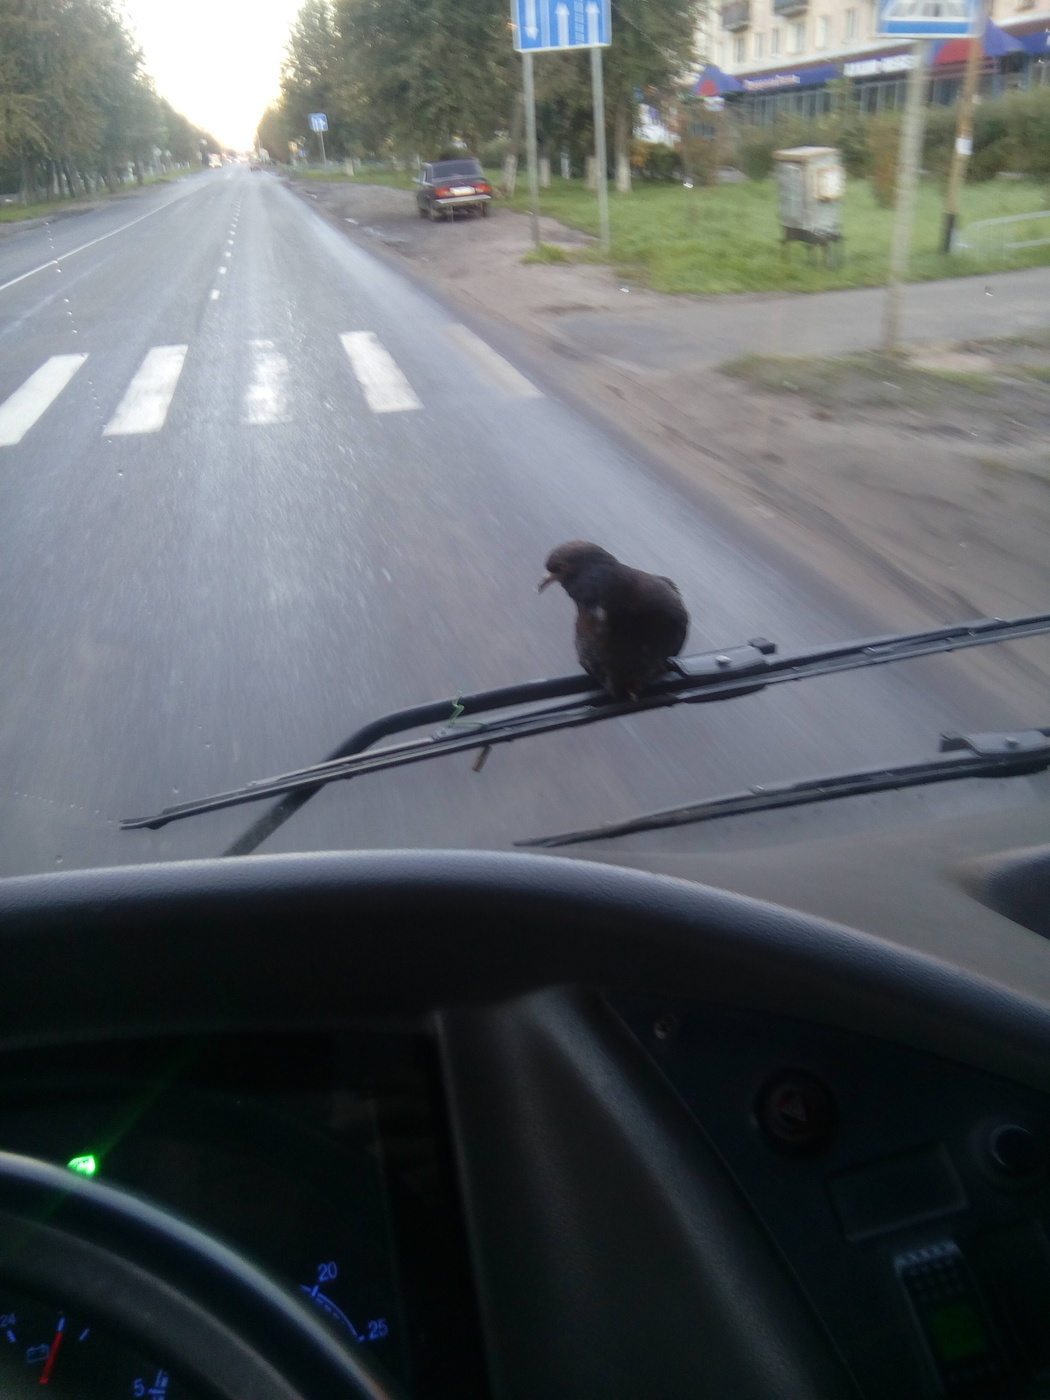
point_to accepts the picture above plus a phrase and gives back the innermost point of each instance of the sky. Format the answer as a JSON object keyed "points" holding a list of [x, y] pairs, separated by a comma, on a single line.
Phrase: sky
{"points": [[218, 62]]}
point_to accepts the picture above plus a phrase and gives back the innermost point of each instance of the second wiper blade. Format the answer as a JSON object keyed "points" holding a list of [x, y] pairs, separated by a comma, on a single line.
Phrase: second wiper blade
{"points": [[707, 677], [1013, 755]]}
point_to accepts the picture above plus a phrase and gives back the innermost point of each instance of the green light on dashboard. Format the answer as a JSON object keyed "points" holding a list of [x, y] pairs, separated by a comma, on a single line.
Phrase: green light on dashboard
{"points": [[83, 1166]]}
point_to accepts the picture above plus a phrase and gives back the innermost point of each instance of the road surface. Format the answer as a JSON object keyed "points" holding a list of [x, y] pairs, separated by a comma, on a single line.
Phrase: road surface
{"points": [[256, 489]]}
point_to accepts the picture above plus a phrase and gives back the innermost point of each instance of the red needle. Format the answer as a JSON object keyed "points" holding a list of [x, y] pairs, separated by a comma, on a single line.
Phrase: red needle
{"points": [[45, 1374]]}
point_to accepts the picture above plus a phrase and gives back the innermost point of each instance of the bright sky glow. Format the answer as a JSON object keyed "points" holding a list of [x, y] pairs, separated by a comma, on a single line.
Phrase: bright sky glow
{"points": [[218, 62]]}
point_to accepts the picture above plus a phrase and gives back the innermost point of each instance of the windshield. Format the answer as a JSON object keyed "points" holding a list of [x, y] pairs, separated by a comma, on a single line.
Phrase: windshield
{"points": [[444, 168], [288, 441]]}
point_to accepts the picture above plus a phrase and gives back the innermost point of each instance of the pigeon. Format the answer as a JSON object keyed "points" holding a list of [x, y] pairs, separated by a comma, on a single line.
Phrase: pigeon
{"points": [[628, 623]]}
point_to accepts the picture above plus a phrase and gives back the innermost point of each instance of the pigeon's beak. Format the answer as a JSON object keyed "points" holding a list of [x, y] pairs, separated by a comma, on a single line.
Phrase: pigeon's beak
{"points": [[547, 578]]}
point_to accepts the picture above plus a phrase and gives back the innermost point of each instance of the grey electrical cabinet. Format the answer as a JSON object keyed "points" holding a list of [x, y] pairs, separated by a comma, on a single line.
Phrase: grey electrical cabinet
{"points": [[810, 183]]}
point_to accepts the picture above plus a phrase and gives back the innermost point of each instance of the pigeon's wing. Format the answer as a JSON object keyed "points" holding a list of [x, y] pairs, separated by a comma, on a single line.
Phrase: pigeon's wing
{"points": [[662, 616]]}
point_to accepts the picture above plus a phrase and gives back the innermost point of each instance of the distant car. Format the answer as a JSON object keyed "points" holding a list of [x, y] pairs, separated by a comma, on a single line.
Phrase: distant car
{"points": [[448, 185], [255, 164]]}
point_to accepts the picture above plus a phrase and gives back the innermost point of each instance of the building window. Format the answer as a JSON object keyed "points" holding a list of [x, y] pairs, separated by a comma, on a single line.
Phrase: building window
{"points": [[722, 54], [759, 48], [738, 48], [774, 43], [823, 31], [798, 37], [851, 25]]}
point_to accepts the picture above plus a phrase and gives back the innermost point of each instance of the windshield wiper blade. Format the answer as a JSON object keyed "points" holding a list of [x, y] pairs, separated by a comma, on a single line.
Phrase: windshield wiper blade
{"points": [[707, 677], [1014, 755]]}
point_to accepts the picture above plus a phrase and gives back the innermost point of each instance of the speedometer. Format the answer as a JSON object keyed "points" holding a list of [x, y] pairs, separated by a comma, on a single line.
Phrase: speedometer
{"points": [[45, 1345]]}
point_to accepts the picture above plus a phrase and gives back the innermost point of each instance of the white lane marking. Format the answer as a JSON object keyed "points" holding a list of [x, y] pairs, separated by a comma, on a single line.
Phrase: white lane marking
{"points": [[214, 296], [54, 262], [492, 365], [386, 388], [144, 406], [38, 393], [267, 398], [226, 255], [222, 272]]}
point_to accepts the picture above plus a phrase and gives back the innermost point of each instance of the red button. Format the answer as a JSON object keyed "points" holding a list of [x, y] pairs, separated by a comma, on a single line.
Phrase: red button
{"points": [[797, 1112]]}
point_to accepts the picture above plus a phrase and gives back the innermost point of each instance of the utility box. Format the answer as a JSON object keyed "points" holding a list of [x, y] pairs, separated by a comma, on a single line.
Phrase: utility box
{"points": [[810, 183]]}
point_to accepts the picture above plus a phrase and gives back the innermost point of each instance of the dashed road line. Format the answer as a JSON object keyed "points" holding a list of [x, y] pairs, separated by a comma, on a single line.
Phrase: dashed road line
{"points": [[385, 388], [144, 406], [36, 395]]}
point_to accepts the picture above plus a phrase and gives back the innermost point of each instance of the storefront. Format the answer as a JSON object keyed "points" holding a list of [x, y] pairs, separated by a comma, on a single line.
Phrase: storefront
{"points": [[1010, 60]]}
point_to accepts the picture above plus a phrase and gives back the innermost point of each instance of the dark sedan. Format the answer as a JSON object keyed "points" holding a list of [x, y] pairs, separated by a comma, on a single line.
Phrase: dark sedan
{"points": [[448, 185]]}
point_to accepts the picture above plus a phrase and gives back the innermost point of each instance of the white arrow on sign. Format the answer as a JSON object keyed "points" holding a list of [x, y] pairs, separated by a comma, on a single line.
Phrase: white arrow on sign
{"points": [[531, 27], [562, 11], [592, 22]]}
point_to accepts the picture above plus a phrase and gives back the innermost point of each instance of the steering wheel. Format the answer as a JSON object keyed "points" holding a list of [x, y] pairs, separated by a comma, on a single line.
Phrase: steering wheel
{"points": [[209, 1314]]}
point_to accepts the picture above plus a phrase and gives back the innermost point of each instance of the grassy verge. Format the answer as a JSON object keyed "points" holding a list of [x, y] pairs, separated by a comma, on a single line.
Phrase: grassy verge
{"points": [[727, 238], [396, 179], [14, 213]]}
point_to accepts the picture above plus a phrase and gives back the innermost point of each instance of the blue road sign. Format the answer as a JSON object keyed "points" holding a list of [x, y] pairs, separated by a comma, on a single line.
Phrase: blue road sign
{"points": [[544, 25], [318, 121], [929, 19]]}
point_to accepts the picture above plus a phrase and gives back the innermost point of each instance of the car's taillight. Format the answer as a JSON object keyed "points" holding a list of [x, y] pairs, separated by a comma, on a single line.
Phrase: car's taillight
{"points": [[442, 194], [483, 188]]}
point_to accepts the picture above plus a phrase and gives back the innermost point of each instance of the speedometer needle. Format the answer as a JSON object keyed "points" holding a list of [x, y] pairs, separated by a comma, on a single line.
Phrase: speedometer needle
{"points": [[45, 1374]]}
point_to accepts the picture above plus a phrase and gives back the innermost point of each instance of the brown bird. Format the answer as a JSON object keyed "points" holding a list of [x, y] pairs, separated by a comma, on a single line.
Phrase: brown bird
{"points": [[628, 623]]}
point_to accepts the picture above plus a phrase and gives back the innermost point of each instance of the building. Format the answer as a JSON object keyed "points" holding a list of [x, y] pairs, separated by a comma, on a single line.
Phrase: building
{"points": [[776, 57]]}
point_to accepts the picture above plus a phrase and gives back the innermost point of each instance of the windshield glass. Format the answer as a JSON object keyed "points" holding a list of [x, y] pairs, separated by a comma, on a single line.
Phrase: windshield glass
{"points": [[444, 168], [287, 444]]}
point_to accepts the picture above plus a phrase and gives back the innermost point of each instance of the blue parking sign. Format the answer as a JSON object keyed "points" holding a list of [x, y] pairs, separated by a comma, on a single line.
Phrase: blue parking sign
{"points": [[929, 19], [543, 26], [318, 121]]}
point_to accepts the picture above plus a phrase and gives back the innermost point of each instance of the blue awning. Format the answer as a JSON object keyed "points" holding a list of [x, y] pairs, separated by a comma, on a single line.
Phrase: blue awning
{"points": [[712, 82], [800, 77], [1034, 43]]}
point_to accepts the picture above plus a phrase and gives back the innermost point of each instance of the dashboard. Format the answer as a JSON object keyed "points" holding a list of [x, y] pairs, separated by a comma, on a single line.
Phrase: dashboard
{"points": [[517, 1127], [322, 1158]]}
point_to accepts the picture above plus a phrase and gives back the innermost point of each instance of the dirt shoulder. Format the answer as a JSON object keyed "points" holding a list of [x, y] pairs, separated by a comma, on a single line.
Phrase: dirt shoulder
{"points": [[921, 489]]}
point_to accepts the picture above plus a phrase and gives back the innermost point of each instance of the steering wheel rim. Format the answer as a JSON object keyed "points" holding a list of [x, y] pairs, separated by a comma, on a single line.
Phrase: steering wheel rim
{"points": [[208, 1313]]}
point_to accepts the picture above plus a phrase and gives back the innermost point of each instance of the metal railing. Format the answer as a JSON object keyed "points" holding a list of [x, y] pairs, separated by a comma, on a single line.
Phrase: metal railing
{"points": [[971, 238], [790, 7]]}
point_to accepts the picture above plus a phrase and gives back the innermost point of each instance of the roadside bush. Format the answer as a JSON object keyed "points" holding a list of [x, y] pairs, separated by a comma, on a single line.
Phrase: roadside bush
{"points": [[655, 161], [493, 153], [884, 135]]}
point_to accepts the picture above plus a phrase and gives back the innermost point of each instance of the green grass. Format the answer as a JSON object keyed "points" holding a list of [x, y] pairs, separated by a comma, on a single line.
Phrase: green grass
{"points": [[13, 213], [727, 238], [547, 253], [396, 179]]}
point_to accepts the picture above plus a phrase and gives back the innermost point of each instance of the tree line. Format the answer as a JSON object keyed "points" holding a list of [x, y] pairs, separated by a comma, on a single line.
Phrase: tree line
{"points": [[76, 107], [402, 77]]}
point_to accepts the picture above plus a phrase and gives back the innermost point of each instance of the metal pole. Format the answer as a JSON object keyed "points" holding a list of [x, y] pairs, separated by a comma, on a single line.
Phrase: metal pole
{"points": [[907, 178], [530, 144], [601, 158], [320, 137], [963, 132]]}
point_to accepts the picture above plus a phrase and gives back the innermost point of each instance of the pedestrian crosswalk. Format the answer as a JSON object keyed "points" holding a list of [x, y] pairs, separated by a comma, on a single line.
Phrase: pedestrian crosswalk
{"points": [[267, 395]]}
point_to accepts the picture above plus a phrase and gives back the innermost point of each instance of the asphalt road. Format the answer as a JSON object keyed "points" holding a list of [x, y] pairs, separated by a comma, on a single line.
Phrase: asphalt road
{"points": [[256, 489]]}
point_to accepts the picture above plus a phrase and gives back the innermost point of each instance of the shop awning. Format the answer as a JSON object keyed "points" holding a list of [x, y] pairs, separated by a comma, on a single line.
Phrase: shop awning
{"points": [[996, 43], [712, 82]]}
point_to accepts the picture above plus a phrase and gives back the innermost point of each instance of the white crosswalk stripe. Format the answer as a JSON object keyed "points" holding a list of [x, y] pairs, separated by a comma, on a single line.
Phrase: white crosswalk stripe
{"points": [[266, 400], [491, 363], [145, 405], [386, 389], [36, 395]]}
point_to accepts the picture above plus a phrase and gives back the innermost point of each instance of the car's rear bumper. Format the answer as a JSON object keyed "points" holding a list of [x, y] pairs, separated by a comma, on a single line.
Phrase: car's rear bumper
{"points": [[453, 200]]}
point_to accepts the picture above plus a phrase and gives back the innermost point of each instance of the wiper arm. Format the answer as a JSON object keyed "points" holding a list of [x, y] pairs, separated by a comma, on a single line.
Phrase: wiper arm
{"points": [[1013, 755], [709, 676]]}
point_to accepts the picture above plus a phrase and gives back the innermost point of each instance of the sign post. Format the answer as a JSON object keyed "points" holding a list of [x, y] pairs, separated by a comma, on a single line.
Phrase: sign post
{"points": [[319, 123], [909, 19], [547, 26], [963, 133]]}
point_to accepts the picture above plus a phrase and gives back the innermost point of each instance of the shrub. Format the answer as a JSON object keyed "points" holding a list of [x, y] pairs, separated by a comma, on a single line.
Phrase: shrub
{"points": [[655, 161]]}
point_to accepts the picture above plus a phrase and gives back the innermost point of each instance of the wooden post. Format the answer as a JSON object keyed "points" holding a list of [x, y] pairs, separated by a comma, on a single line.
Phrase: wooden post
{"points": [[908, 163], [963, 131]]}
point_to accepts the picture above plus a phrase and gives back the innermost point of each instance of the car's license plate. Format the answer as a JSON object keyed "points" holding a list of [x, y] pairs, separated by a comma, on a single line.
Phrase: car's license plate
{"points": [[463, 189]]}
